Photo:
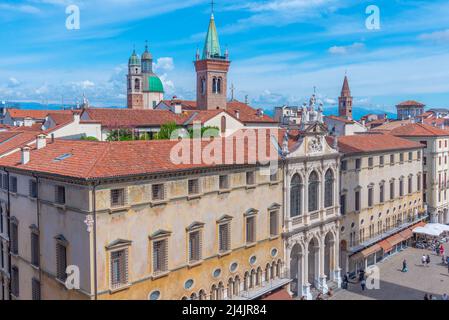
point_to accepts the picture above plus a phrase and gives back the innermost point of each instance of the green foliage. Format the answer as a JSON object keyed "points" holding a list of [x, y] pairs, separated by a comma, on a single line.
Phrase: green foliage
{"points": [[166, 131], [210, 132], [89, 138]]}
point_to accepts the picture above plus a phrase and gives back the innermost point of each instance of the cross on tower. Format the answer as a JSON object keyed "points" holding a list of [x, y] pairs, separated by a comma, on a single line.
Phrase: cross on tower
{"points": [[212, 3]]}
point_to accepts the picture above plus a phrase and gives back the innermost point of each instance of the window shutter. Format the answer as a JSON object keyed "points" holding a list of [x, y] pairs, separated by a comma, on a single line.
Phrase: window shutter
{"points": [[14, 238], [61, 261], [35, 249], [15, 281], [36, 289]]}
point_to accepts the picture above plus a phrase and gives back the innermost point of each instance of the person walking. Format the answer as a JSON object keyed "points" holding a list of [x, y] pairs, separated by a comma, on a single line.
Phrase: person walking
{"points": [[442, 250], [428, 260], [404, 266], [363, 284], [426, 297], [444, 297], [423, 259]]}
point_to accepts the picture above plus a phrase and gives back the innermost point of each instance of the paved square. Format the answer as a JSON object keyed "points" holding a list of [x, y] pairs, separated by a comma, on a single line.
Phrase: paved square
{"points": [[397, 285]]}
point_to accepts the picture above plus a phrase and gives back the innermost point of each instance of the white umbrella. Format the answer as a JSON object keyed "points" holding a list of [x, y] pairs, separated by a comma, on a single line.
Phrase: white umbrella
{"points": [[438, 226], [428, 231]]}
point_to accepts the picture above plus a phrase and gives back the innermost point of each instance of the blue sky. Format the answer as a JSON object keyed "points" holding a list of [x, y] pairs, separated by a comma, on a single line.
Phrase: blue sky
{"points": [[280, 49]]}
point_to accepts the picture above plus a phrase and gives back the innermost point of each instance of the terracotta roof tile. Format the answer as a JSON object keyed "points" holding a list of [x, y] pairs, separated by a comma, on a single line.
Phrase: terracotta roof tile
{"points": [[411, 103], [418, 130], [372, 143], [341, 119], [35, 114]]}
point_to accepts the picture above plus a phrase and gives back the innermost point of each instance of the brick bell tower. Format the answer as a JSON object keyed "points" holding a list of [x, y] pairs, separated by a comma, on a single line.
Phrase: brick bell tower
{"points": [[345, 101], [211, 72]]}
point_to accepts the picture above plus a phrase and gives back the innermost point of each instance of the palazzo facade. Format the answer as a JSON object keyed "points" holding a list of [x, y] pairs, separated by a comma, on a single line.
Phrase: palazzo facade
{"points": [[311, 211]]}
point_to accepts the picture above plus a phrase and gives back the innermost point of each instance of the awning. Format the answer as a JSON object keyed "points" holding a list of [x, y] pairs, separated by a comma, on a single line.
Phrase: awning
{"points": [[279, 295], [395, 239], [385, 245], [419, 224], [406, 234], [366, 252]]}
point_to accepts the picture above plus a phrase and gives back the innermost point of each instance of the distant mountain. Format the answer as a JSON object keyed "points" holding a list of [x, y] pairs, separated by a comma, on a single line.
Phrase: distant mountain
{"points": [[357, 112], [40, 106]]}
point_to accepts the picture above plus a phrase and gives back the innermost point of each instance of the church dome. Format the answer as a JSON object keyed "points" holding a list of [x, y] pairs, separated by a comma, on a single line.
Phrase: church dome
{"points": [[155, 84], [134, 60]]}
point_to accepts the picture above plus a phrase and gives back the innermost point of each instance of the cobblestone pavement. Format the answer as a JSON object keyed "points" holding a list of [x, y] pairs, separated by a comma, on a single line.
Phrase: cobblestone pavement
{"points": [[397, 285]]}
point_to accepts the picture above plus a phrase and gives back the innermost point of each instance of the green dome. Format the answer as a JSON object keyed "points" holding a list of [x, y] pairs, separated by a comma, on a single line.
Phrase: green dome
{"points": [[134, 60], [155, 84]]}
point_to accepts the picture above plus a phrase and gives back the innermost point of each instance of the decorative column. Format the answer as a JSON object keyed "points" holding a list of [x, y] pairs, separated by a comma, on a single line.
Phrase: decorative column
{"points": [[305, 285], [320, 252], [336, 270]]}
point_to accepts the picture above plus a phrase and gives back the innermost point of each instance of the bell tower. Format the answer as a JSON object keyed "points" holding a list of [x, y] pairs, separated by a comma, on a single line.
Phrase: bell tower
{"points": [[134, 82], [211, 72], [345, 101]]}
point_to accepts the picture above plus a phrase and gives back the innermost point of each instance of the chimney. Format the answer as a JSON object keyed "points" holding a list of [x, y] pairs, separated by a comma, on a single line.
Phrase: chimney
{"points": [[259, 112], [76, 117], [41, 141], [52, 138], [25, 155], [237, 114], [28, 122]]}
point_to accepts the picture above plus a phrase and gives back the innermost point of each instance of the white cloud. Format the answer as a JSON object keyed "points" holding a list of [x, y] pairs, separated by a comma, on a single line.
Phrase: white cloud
{"points": [[86, 84], [342, 50], [13, 83], [164, 64], [437, 36], [21, 8]]}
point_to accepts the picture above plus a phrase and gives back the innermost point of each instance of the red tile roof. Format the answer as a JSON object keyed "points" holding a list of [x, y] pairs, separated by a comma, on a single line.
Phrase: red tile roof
{"points": [[364, 143], [90, 159], [129, 118], [61, 118], [411, 103], [12, 140], [341, 119], [418, 130], [247, 114], [35, 114]]}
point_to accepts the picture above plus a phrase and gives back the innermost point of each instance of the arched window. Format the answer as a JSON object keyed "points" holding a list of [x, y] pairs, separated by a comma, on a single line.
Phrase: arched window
{"points": [[223, 124], [218, 85], [202, 295], [214, 85], [329, 189], [203, 86], [137, 84], [295, 196], [313, 191]]}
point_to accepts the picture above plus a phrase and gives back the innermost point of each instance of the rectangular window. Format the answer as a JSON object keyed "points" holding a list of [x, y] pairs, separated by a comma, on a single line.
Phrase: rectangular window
{"points": [[401, 157], [392, 159], [343, 204], [410, 185], [224, 182], [344, 165], [358, 164], [274, 223], [370, 162], [119, 268], [381, 161], [410, 156], [35, 289], [424, 161], [158, 192], [250, 229], [401, 188], [160, 256], [34, 249], [391, 190], [194, 186], [195, 246], [357, 201], [15, 281], [370, 197], [250, 178], [14, 238], [60, 194], [13, 184], [419, 155], [117, 197], [61, 261], [5, 183], [33, 189], [274, 176], [381, 193], [419, 182], [224, 237], [2, 256]]}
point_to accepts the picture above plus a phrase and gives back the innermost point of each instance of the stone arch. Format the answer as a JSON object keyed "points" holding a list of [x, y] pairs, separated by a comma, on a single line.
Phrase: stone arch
{"points": [[329, 254], [252, 279], [246, 277], [231, 284], [213, 292], [202, 294], [259, 276], [220, 291], [329, 187], [193, 296], [313, 252], [236, 285]]}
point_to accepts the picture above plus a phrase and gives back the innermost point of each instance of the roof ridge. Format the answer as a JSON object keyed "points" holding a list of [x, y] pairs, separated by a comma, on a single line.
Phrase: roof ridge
{"points": [[88, 174]]}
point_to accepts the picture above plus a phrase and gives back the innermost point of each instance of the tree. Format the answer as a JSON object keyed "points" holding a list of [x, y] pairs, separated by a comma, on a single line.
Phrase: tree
{"points": [[167, 130], [89, 138]]}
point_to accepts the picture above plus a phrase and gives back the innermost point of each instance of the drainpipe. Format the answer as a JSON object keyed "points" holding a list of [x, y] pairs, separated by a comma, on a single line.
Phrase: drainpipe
{"points": [[96, 183], [38, 214], [8, 219]]}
